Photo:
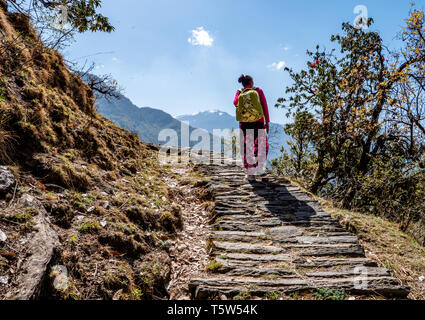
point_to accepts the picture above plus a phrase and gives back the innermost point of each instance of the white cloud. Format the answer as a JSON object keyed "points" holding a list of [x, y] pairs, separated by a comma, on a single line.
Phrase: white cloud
{"points": [[115, 59], [101, 66], [285, 48], [200, 37], [277, 65]]}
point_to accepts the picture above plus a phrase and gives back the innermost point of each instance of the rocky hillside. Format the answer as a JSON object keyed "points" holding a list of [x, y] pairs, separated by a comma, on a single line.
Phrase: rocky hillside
{"points": [[85, 209]]}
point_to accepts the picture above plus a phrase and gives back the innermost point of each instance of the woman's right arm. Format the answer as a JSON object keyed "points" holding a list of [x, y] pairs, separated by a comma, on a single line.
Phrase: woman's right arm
{"points": [[263, 101], [235, 101]]}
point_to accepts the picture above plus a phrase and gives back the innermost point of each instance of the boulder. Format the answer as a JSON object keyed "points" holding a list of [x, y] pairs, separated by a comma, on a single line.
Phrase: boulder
{"points": [[40, 251], [7, 180]]}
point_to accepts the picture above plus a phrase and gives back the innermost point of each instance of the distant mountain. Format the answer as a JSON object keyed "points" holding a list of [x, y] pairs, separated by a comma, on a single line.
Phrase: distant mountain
{"points": [[210, 120], [146, 122], [216, 119]]}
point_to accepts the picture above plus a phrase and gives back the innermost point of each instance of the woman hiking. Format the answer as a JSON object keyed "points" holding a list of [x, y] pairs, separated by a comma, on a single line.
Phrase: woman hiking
{"points": [[253, 115]]}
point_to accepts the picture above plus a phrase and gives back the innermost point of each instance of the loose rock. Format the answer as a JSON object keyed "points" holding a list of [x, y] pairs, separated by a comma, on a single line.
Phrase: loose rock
{"points": [[7, 179], [27, 200], [3, 236], [4, 280]]}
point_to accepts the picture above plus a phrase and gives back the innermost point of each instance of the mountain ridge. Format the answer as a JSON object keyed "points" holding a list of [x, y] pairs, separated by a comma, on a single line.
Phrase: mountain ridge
{"points": [[217, 119], [147, 122]]}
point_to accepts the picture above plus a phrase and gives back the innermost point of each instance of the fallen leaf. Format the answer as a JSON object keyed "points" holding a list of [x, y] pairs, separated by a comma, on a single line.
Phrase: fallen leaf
{"points": [[163, 237], [114, 253], [7, 254], [41, 185]]}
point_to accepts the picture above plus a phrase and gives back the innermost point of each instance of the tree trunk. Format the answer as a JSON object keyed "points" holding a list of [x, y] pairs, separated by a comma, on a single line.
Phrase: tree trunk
{"points": [[319, 175]]}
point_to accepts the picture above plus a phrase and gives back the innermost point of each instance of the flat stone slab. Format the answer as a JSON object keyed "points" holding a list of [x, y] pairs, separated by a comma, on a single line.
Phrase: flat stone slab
{"points": [[255, 257], [332, 262], [382, 285], [331, 239], [257, 272], [287, 231], [242, 246], [237, 233], [353, 272]]}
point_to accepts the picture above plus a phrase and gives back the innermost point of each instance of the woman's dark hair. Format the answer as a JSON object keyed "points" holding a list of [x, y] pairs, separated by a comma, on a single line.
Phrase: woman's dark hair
{"points": [[245, 80]]}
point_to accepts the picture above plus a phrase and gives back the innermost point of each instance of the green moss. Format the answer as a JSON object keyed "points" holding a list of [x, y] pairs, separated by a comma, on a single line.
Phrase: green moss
{"points": [[2, 95], [74, 239], [294, 295], [244, 295], [330, 294], [25, 216], [116, 281], [273, 295], [213, 266], [89, 226], [79, 206], [136, 294]]}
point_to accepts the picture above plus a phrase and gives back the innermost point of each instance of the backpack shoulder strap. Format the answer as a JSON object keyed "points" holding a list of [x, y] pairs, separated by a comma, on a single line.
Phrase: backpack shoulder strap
{"points": [[247, 89]]}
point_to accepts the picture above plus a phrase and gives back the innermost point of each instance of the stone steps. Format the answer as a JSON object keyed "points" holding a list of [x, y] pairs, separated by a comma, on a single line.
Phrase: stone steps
{"points": [[212, 287], [262, 237], [271, 236], [235, 271], [301, 263]]}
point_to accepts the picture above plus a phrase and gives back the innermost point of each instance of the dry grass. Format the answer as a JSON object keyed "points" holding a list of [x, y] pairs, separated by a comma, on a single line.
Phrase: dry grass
{"points": [[6, 139], [383, 241]]}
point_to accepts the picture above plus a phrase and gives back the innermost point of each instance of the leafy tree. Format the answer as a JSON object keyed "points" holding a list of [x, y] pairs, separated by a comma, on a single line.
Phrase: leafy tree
{"points": [[300, 163], [82, 15], [366, 141], [78, 16]]}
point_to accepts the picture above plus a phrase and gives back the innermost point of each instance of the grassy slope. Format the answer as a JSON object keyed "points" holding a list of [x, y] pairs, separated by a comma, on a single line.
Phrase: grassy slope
{"points": [[101, 186]]}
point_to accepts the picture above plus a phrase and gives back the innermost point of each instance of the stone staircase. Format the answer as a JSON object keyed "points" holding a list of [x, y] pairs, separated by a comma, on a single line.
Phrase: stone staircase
{"points": [[271, 237]]}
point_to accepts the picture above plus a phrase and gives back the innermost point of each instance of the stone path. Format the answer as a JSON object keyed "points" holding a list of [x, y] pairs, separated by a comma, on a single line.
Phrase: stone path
{"points": [[270, 236]]}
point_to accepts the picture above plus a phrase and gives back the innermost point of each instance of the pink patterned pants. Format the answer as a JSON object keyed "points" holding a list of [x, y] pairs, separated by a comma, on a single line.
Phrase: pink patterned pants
{"points": [[254, 146]]}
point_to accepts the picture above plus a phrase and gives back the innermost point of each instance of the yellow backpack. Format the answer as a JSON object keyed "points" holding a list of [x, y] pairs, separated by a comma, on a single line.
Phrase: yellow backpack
{"points": [[249, 106]]}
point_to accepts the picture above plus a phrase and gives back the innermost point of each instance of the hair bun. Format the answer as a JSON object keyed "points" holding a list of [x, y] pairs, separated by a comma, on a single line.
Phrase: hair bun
{"points": [[241, 78]]}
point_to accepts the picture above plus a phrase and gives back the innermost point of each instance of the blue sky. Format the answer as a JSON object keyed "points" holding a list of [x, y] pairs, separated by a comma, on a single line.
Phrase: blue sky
{"points": [[152, 58]]}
